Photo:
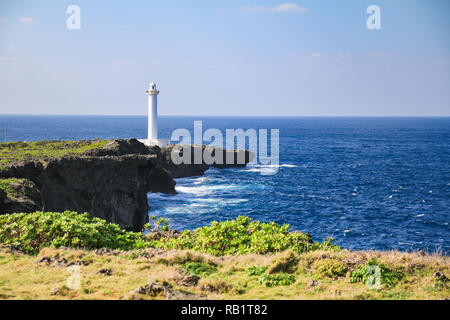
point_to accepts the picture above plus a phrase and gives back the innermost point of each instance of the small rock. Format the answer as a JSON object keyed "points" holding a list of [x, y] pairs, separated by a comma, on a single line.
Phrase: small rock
{"points": [[106, 272], [313, 284], [440, 276], [62, 263], [153, 289], [47, 260], [102, 251], [186, 280], [440, 280], [55, 262], [55, 291], [209, 288]]}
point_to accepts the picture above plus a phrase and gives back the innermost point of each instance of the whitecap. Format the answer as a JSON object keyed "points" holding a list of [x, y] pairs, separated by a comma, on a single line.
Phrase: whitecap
{"points": [[219, 201], [205, 189], [200, 180], [263, 169]]}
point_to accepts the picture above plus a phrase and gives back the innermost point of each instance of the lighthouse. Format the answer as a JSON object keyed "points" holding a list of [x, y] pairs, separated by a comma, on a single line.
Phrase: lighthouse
{"points": [[152, 138], [152, 93]]}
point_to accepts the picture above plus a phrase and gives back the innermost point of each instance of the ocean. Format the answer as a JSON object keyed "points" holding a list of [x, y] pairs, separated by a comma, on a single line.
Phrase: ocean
{"points": [[370, 183]]}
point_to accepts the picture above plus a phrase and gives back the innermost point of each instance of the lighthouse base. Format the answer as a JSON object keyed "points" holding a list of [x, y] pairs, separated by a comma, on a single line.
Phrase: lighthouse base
{"points": [[154, 142]]}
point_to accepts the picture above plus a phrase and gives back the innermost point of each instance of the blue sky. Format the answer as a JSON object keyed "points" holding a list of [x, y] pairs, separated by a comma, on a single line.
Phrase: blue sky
{"points": [[217, 57]]}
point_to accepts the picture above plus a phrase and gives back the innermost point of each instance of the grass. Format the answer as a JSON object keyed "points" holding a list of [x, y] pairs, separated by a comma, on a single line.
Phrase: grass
{"points": [[198, 268], [23, 277], [54, 241], [12, 152]]}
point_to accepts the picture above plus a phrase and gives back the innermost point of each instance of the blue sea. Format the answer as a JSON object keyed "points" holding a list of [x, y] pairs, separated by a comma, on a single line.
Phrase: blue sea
{"points": [[370, 183]]}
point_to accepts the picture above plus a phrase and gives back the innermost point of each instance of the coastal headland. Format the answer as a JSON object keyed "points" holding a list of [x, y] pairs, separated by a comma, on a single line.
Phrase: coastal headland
{"points": [[109, 179]]}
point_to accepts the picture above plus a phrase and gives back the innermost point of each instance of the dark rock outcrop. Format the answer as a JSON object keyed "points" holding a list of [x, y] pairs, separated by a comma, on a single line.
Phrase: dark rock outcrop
{"points": [[153, 289], [229, 159], [26, 197], [186, 280], [111, 182], [3, 197]]}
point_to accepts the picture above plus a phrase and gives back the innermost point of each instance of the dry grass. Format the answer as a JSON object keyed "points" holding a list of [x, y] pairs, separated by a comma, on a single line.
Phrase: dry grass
{"points": [[24, 277]]}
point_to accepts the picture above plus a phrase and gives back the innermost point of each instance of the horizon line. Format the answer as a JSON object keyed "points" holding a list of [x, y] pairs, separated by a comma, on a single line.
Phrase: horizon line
{"points": [[231, 116]]}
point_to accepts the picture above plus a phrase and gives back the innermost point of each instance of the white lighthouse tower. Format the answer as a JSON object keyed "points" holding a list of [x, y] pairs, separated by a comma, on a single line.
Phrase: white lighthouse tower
{"points": [[152, 139], [152, 93]]}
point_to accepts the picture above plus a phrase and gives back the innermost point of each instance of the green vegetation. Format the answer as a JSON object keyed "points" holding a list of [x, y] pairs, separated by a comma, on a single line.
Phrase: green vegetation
{"points": [[279, 271], [256, 271], [280, 279], [198, 268], [157, 224], [33, 231], [387, 276], [331, 268], [63, 239], [271, 280], [243, 236], [15, 151]]}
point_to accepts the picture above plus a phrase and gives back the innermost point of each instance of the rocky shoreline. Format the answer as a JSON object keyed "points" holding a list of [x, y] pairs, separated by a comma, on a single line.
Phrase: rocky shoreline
{"points": [[110, 182]]}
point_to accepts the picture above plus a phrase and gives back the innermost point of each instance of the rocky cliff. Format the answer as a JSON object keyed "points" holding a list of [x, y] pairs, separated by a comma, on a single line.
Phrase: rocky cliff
{"points": [[110, 182], [193, 169]]}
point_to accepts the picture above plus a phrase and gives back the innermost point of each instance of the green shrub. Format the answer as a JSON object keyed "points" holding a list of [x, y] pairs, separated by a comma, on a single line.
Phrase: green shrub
{"points": [[198, 268], [279, 279], [157, 224], [331, 268], [33, 231], [388, 276], [243, 236], [256, 271]]}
